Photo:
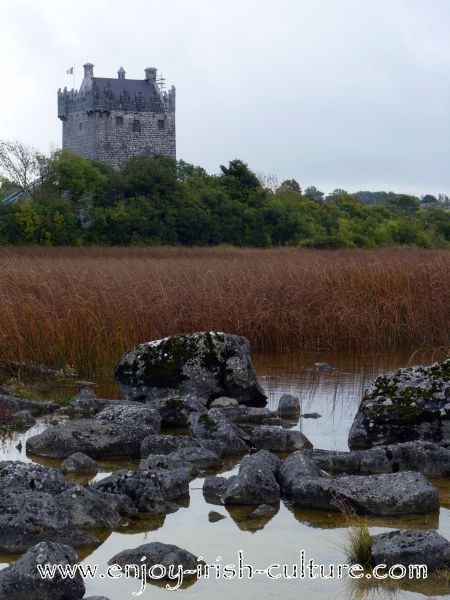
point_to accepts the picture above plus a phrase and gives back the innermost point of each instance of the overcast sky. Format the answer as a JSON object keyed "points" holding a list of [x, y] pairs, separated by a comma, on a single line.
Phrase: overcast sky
{"points": [[352, 94]]}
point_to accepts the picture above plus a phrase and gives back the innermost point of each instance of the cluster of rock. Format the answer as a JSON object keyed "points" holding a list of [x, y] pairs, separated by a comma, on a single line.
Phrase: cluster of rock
{"points": [[264, 479], [204, 383]]}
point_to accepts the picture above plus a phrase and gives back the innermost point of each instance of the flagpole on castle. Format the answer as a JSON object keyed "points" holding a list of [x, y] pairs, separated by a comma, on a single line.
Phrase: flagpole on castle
{"points": [[71, 71]]}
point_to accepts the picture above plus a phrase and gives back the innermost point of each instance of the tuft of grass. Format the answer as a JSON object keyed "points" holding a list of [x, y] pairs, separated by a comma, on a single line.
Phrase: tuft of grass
{"points": [[359, 544], [85, 307], [358, 539]]}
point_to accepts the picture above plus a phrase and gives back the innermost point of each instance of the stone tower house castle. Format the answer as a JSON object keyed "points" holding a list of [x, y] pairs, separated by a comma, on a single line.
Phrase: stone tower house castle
{"points": [[111, 120]]}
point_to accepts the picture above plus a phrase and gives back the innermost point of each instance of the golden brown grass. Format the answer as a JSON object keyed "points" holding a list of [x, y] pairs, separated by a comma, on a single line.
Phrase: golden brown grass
{"points": [[86, 306]]}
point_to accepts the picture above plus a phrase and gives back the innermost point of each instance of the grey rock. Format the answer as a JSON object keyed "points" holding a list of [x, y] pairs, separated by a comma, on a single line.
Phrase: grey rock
{"points": [[27, 518], [278, 439], [156, 553], [89, 508], [22, 420], [166, 444], [85, 404], [289, 406], [248, 414], [206, 364], [200, 457], [256, 482], [214, 427], [175, 409], [214, 516], [411, 404], [18, 477], [194, 458], [155, 462], [427, 458], [21, 580], [12, 404], [313, 415], [387, 494], [132, 416], [224, 402], [411, 547], [79, 463], [97, 438], [214, 488], [296, 466], [149, 491], [97, 598]]}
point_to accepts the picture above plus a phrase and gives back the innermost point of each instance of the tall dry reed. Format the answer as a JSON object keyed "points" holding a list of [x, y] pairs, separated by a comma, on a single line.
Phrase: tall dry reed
{"points": [[86, 306]]}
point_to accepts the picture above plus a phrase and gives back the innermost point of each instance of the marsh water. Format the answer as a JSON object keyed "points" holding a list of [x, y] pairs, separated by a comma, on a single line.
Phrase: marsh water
{"points": [[334, 395]]}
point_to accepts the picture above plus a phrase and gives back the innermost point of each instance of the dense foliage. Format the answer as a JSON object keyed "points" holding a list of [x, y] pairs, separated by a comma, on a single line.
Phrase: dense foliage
{"points": [[156, 201]]}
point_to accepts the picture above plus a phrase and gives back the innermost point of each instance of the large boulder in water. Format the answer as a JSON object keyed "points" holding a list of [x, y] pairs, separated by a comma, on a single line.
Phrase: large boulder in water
{"points": [[256, 482], [22, 581], [153, 492], [387, 494], [98, 438], [412, 404], [208, 365], [19, 477], [411, 547], [27, 518]]}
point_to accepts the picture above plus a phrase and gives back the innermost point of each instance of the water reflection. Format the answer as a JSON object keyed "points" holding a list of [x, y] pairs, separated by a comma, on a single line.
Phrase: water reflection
{"points": [[335, 394]]}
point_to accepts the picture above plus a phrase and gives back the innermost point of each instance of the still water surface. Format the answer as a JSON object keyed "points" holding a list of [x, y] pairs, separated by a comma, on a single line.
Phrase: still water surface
{"points": [[335, 396]]}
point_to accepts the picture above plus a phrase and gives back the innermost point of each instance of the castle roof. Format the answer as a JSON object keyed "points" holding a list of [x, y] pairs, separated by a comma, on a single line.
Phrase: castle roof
{"points": [[128, 90], [133, 87]]}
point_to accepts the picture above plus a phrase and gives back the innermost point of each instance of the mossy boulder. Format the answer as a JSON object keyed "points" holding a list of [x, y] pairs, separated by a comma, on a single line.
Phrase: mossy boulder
{"points": [[207, 364], [412, 404]]}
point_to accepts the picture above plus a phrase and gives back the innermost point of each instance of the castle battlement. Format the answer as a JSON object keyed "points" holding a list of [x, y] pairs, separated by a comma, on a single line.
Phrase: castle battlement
{"points": [[112, 119]]}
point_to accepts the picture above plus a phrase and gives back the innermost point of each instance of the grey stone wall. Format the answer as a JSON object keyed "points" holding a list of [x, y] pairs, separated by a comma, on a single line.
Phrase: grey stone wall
{"points": [[116, 142], [79, 134]]}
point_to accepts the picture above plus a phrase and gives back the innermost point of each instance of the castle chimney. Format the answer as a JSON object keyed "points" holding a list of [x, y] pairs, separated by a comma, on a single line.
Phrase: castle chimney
{"points": [[121, 73], [88, 70], [150, 74]]}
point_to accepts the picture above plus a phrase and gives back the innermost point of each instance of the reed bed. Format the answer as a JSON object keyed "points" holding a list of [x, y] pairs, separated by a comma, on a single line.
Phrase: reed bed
{"points": [[85, 306]]}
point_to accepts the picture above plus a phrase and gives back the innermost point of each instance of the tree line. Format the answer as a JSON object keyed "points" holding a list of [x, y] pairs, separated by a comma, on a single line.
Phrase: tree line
{"points": [[159, 201]]}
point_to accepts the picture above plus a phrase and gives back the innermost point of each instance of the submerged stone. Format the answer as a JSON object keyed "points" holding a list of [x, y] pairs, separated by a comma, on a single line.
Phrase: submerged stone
{"points": [[79, 463], [289, 406]]}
